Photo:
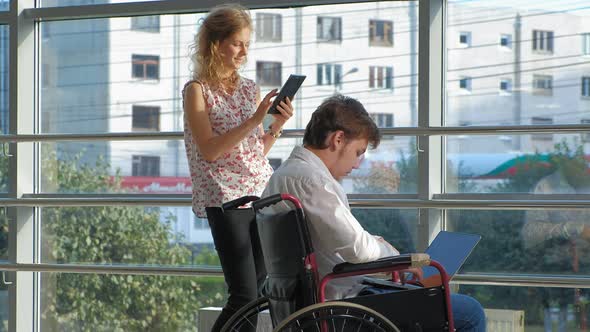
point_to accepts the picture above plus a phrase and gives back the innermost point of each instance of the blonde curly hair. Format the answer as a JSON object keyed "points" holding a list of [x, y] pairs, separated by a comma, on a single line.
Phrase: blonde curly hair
{"points": [[222, 22]]}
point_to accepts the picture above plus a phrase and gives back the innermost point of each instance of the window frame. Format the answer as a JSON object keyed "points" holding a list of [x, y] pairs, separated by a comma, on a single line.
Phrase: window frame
{"points": [[464, 38], [585, 43], [384, 41], [383, 120], [543, 41], [150, 24], [465, 83], [145, 165], [542, 85], [508, 38], [585, 85], [268, 79], [508, 86], [146, 62], [381, 77], [329, 74], [153, 117], [320, 37], [543, 121], [272, 21]]}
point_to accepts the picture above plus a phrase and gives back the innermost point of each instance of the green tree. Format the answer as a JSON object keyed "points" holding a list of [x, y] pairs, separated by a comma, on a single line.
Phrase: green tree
{"points": [[116, 235]]}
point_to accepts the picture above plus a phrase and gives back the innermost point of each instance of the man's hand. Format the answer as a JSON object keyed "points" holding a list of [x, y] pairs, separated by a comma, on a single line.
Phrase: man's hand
{"points": [[415, 272], [417, 275]]}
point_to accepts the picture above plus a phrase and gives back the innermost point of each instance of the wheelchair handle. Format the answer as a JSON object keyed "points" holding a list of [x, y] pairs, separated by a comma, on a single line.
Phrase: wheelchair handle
{"points": [[274, 199], [238, 202]]}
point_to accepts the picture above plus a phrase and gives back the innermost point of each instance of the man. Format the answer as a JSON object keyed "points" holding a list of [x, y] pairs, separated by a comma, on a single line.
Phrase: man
{"points": [[335, 140]]}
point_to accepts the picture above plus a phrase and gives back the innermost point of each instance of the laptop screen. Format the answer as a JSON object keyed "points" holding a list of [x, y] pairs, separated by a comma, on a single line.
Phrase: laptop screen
{"points": [[450, 249]]}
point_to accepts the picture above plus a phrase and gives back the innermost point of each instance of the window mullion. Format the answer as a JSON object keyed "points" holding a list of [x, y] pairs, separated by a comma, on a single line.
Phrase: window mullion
{"points": [[24, 293], [430, 113]]}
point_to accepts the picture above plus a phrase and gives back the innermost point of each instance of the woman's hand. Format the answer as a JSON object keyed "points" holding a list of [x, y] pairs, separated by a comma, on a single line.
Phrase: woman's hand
{"points": [[286, 112], [264, 105]]}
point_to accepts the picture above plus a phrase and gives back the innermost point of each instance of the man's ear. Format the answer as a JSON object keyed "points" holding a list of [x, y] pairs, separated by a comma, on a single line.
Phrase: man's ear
{"points": [[335, 140]]}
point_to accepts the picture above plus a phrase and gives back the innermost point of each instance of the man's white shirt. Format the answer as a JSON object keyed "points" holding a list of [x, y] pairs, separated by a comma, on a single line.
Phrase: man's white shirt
{"points": [[336, 235]]}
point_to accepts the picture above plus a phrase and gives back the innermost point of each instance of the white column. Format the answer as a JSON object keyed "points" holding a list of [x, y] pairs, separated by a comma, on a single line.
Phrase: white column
{"points": [[430, 113]]}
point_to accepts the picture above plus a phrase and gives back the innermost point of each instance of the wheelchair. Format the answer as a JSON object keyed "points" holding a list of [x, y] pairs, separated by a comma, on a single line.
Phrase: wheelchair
{"points": [[295, 298]]}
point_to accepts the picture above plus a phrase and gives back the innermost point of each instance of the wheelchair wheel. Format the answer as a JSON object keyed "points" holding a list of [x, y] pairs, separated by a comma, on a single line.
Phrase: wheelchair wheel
{"points": [[336, 317], [246, 318]]}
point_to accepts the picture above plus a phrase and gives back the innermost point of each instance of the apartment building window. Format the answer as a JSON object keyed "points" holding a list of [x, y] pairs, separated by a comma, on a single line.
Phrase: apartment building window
{"points": [[329, 74], [585, 135], [505, 85], [586, 43], [543, 41], [383, 120], [145, 166], [329, 29], [465, 83], [537, 120], [381, 77], [380, 33], [145, 118], [465, 39], [586, 86], [146, 23], [506, 41], [543, 85], [269, 27], [268, 73], [146, 67]]}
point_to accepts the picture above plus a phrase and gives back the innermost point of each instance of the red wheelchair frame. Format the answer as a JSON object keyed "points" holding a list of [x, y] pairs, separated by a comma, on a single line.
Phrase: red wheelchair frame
{"points": [[393, 264]]}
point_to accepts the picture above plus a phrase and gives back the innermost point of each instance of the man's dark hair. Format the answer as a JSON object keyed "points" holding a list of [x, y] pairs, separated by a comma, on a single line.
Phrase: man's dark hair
{"points": [[340, 113]]}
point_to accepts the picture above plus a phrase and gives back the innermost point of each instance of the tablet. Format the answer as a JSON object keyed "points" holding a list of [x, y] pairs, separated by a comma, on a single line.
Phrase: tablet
{"points": [[289, 89]]}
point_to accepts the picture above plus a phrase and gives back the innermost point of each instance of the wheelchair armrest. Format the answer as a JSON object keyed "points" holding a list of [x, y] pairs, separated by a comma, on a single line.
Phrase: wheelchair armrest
{"points": [[239, 202], [385, 264]]}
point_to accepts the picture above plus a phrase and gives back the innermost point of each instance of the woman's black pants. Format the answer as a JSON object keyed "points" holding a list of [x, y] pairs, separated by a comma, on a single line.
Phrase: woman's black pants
{"points": [[237, 243]]}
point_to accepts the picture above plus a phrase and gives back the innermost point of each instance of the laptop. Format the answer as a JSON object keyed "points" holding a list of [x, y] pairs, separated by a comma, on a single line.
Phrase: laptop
{"points": [[450, 249]]}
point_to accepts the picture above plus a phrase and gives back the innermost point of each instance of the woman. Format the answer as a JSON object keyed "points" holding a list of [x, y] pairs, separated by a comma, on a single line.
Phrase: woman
{"points": [[225, 143]]}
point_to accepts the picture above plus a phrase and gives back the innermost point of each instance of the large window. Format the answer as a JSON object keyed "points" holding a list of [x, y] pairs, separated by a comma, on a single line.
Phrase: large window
{"points": [[91, 183], [586, 43]]}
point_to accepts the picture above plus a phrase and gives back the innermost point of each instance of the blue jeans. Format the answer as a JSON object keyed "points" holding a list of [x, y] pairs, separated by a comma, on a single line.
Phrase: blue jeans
{"points": [[468, 314]]}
